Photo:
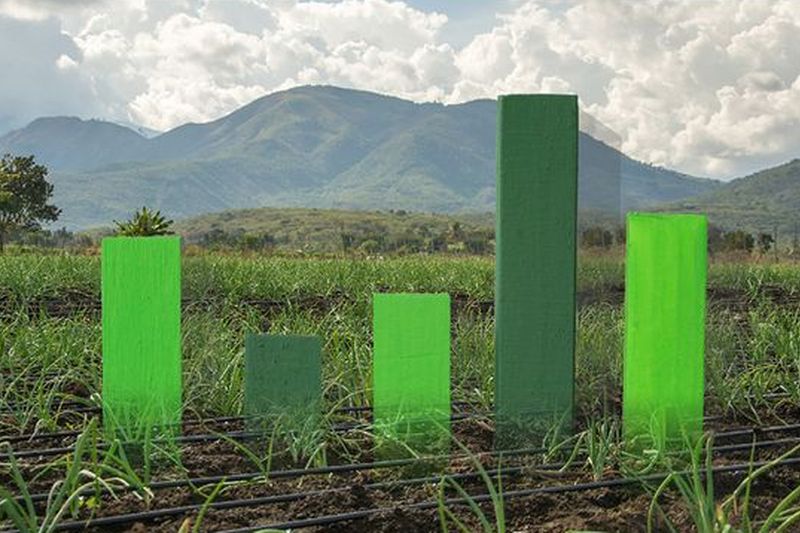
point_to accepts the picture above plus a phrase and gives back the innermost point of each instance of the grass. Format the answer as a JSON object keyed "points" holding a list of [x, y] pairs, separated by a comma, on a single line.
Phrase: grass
{"points": [[87, 472], [696, 488], [447, 516], [751, 353], [50, 363]]}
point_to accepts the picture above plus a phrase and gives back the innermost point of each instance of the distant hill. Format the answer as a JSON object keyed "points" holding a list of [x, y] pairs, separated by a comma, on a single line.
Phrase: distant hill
{"points": [[754, 203], [323, 230], [313, 147], [72, 144]]}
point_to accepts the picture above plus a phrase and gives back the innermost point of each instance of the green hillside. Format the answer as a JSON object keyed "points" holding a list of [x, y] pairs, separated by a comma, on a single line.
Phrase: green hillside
{"points": [[313, 147], [68, 143], [755, 203]]}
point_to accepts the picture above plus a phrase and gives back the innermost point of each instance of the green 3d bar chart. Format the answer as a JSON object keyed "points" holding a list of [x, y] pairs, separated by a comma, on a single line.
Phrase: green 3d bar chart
{"points": [[537, 181], [411, 367], [282, 376], [665, 284], [535, 289], [141, 302]]}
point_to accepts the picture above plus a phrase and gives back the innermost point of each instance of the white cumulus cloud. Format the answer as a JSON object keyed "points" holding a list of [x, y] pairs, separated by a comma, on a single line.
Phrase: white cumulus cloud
{"points": [[710, 87]]}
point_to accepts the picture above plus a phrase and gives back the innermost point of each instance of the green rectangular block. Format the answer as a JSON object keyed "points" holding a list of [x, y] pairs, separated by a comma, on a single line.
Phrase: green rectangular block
{"points": [[411, 366], [141, 303], [665, 297], [282, 376], [537, 194]]}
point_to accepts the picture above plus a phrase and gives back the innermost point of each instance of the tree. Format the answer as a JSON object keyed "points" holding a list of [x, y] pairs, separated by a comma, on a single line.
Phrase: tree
{"points": [[456, 231], [739, 241], [348, 240], [24, 193], [597, 237], [716, 239], [619, 234], [145, 223], [479, 242], [765, 242]]}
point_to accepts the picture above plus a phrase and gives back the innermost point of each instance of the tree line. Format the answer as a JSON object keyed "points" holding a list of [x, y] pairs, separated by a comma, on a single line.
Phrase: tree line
{"points": [[25, 196], [719, 239]]}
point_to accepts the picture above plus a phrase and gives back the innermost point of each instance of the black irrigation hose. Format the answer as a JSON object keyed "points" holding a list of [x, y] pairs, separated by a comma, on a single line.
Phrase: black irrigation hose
{"points": [[78, 406], [77, 432], [81, 407], [355, 467], [11, 406], [291, 497], [224, 419], [743, 432], [65, 409], [210, 437], [207, 437], [280, 498], [196, 422], [294, 473], [483, 498], [253, 435]]}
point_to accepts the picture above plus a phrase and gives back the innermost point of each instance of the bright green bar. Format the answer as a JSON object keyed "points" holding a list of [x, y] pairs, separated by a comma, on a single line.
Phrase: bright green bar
{"points": [[411, 366], [282, 375], [665, 296], [537, 191], [141, 284]]}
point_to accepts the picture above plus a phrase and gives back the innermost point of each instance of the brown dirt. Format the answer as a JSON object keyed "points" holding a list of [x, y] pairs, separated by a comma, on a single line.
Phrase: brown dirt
{"points": [[607, 509], [597, 510]]}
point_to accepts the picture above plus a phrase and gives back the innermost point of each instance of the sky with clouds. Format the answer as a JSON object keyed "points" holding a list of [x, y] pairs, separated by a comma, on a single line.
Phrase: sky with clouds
{"points": [[708, 87]]}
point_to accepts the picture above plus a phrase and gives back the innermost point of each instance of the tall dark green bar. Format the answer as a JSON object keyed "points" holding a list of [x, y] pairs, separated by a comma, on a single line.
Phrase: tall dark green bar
{"points": [[141, 278], [537, 191], [282, 376]]}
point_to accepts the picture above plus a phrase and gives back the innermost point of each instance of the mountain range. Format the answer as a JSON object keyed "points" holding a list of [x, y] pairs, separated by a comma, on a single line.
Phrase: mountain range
{"points": [[328, 147]]}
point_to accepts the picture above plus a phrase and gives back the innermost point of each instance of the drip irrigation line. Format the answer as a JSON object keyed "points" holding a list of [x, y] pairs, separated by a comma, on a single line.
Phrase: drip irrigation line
{"points": [[743, 432], [484, 498], [291, 497], [227, 419], [77, 432], [208, 437], [63, 409], [254, 435], [208, 421], [224, 419], [394, 463], [281, 498], [80, 406], [295, 473], [77, 404]]}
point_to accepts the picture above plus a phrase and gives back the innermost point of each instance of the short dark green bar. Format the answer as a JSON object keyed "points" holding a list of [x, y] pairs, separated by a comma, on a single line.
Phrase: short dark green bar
{"points": [[282, 376], [537, 191]]}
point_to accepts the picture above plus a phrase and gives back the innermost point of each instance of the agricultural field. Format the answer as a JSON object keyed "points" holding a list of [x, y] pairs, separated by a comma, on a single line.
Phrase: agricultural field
{"points": [[59, 472]]}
